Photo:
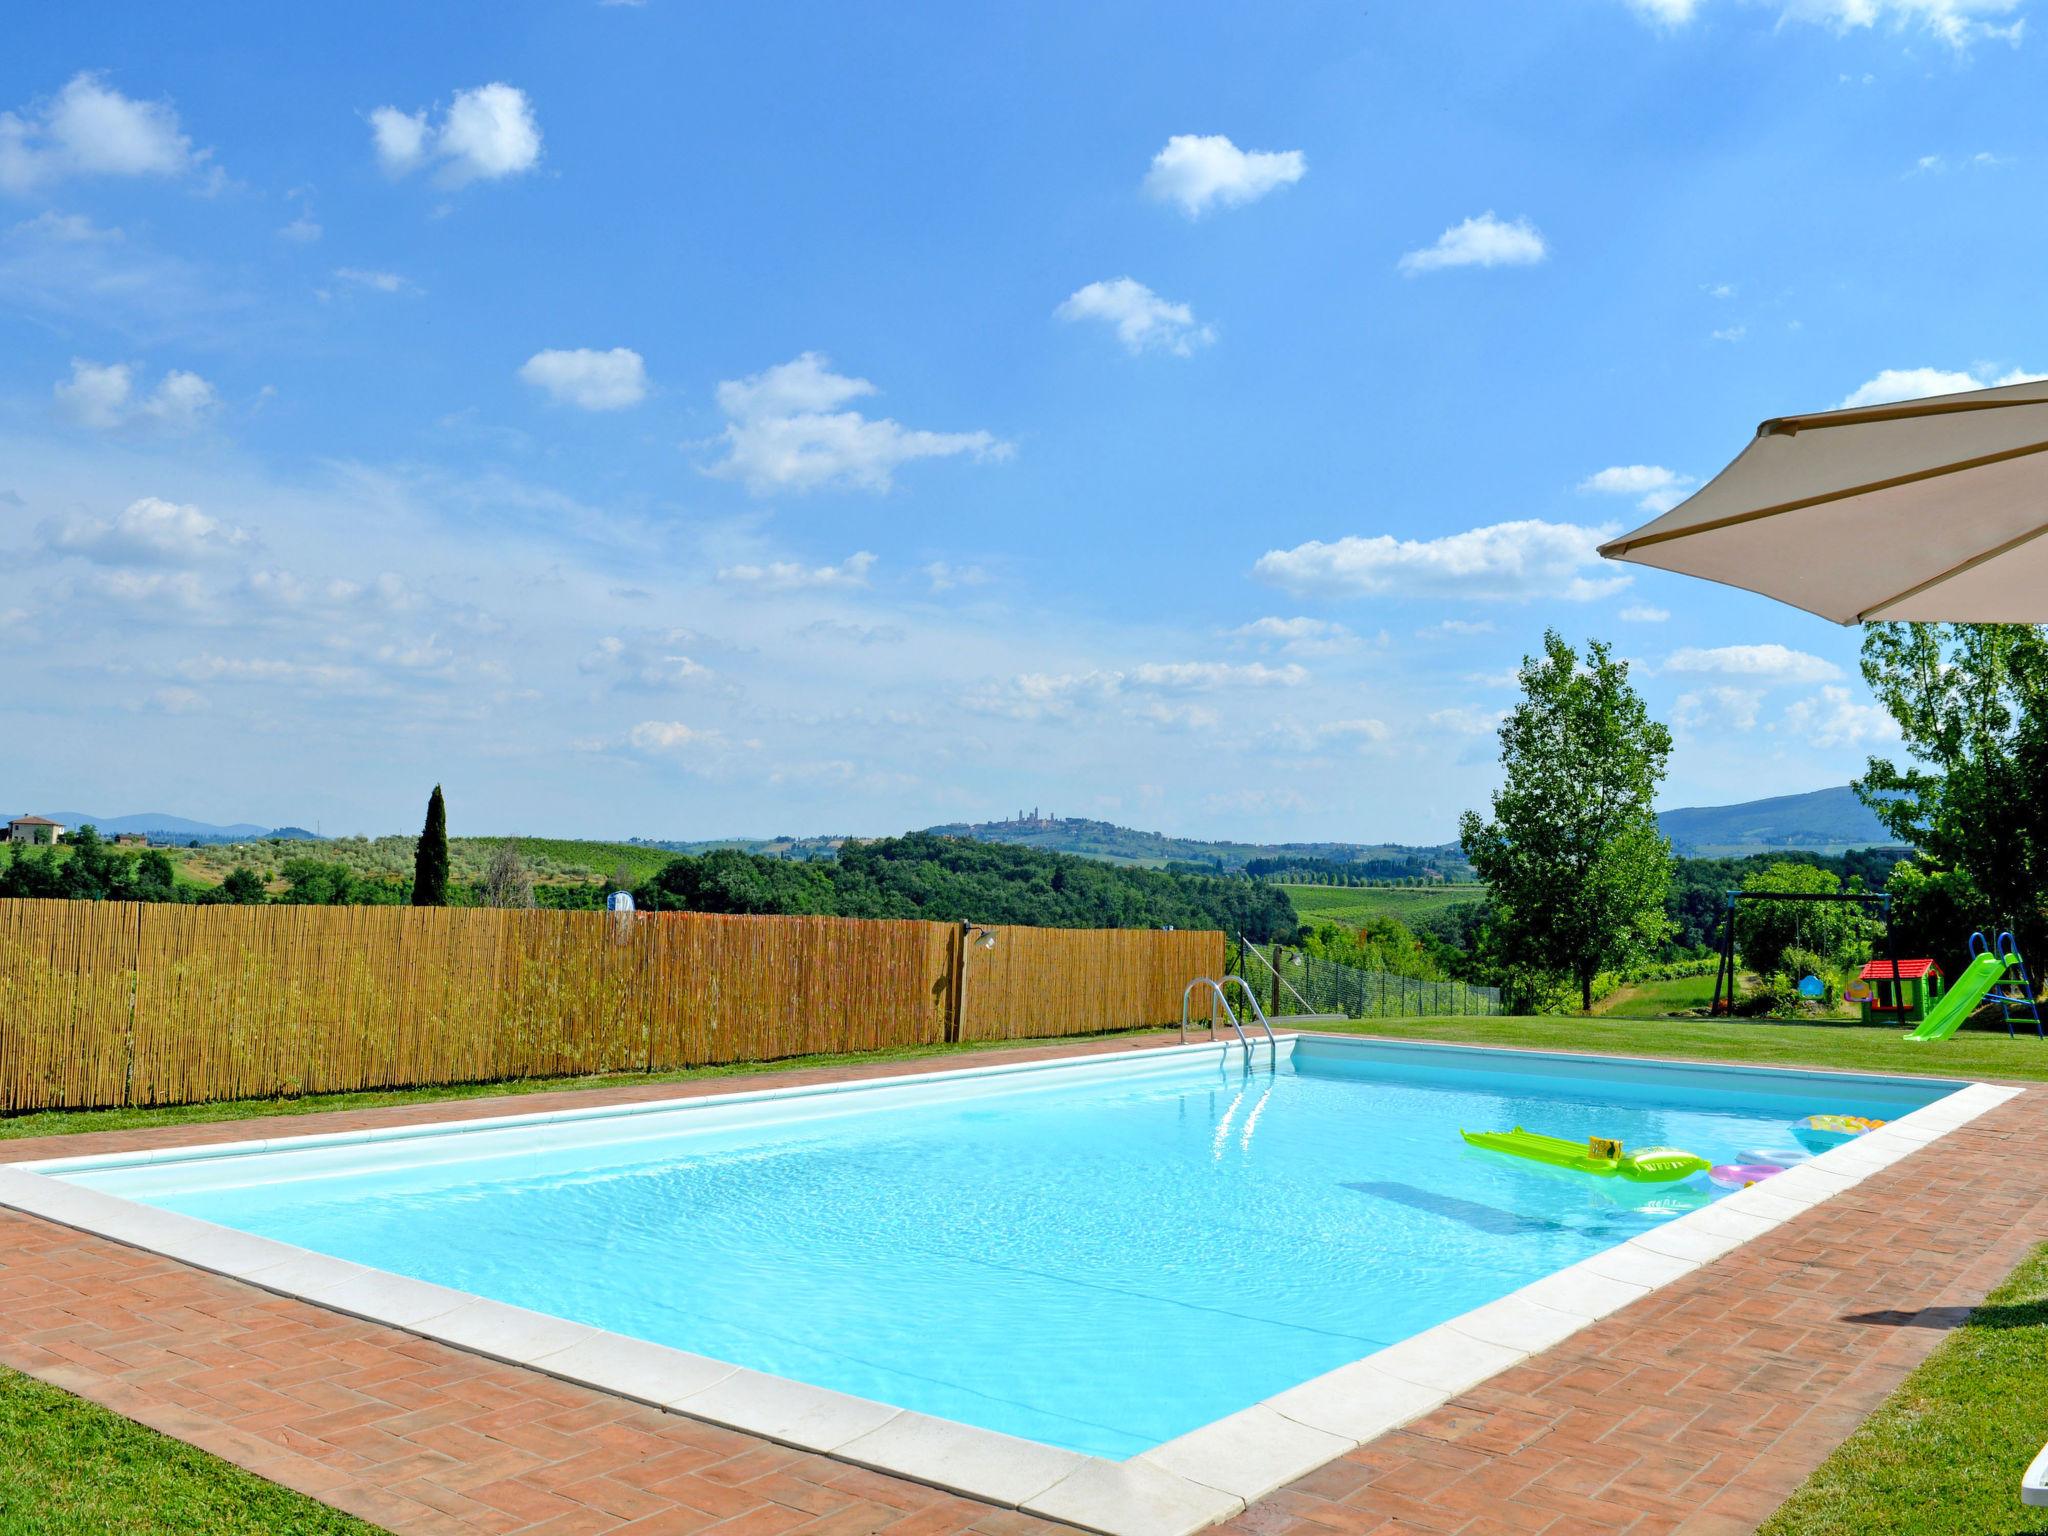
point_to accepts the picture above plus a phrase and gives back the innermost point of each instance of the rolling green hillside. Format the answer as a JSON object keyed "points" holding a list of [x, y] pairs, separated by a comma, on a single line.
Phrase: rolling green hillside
{"points": [[1107, 841], [1825, 821], [1351, 905], [554, 860]]}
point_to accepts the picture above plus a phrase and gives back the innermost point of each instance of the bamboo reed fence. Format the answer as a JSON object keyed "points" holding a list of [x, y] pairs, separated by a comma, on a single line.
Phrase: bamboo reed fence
{"points": [[106, 1004]]}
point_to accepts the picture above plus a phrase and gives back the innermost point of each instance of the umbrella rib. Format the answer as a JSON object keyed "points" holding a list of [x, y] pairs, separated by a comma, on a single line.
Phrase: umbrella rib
{"points": [[1952, 572], [1788, 426], [1758, 514]]}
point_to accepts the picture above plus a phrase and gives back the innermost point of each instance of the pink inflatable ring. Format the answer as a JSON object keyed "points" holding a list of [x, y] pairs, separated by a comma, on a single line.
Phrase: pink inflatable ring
{"points": [[1742, 1175]]}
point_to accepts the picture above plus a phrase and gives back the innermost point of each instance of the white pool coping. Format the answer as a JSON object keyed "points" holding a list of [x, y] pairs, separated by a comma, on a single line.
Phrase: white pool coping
{"points": [[1182, 1486]]}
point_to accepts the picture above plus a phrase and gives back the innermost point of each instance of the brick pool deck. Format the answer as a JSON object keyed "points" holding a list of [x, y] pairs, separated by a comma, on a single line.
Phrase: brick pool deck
{"points": [[1694, 1410]]}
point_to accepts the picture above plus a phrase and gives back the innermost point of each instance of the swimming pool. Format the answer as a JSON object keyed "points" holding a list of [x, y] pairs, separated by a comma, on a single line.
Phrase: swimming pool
{"points": [[1106, 1257]]}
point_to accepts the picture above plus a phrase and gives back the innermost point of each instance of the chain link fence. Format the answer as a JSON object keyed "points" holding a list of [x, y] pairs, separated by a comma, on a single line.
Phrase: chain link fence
{"points": [[1327, 987]]}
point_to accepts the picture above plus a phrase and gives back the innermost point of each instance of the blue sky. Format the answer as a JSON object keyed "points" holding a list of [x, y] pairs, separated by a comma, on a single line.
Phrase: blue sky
{"points": [[682, 420]]}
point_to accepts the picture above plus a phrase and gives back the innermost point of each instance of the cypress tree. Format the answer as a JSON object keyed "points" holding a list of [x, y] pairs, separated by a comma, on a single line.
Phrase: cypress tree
{"points": [[430, 863]]}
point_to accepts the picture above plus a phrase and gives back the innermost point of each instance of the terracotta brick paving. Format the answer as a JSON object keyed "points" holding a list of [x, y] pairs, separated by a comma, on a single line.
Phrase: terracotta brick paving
{"points": [[1694, 1411]]}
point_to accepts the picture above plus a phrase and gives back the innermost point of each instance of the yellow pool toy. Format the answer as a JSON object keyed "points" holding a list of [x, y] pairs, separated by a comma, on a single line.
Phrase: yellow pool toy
{"points": [[1596, 1155]]}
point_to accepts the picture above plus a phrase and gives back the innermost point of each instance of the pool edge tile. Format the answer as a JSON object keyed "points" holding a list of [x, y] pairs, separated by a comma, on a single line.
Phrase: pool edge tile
{"points": [[778, 1408], [1133, 1498], [1358, 1401], [646, 1372], [962, 1458], [1446, 1360], [502, 1331], [1249, 1453]]}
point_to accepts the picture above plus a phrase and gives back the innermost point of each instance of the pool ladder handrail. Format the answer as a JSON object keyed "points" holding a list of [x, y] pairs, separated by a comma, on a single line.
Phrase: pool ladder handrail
{"points": [[1219, 990]]}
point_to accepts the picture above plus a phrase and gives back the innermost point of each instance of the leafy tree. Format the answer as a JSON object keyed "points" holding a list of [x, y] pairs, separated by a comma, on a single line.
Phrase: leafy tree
{"points": [[1767, 931], [315, 883], [242, 886], [1934, 912], [430, 862], [1971, 702], [1577, 869]]}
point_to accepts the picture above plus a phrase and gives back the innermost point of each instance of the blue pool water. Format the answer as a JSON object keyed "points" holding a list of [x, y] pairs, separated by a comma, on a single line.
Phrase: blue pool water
{"points": [[1099, 1257]]}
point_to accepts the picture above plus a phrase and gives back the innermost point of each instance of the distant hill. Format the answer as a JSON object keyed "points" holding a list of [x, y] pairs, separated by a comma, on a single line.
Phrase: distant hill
{"points": [[1126, 845], [164, 827], [1825, 821]]}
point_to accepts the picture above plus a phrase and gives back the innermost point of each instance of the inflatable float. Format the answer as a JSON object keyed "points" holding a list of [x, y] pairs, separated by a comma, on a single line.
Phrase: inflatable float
{"points": [[1596, 1155], [1742, 1175], [1817, 1133]]}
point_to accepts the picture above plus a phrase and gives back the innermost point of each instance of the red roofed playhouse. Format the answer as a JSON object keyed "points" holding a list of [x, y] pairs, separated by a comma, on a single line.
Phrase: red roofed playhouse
{"points": [[1913, 986]]}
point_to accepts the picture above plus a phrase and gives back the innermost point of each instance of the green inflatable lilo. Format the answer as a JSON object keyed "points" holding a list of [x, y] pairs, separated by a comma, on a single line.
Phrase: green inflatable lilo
{"points": [[1597, 1155]]}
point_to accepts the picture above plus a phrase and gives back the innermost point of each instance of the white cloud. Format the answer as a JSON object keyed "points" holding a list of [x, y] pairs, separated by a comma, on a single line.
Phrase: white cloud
{"points": [[789, 576], [400, 139], [91, 129], [1482, 242], [945, 577], [1299, 636], [150, 531], [1143, 321], [1363, 733], [102, 396], [1775, 663], [1465, 627], [585, 377], [673, 738], [1464, 720], [374, 280], [650, 660], [1895, 384], [1514, 561], [178, 701], [1199, 171], [1206, 676], [65, 229], [1643, 613], [1832, 718], [487, 134], [1959, 23], [1729, 333], [1668, 13], [1061, 695], [1717, 708], [1655, 488], [784, 432]]}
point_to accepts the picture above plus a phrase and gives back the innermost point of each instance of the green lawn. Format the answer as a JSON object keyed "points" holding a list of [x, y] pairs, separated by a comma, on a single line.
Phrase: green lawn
{"points": [[1852, 1047], [59, 1122], [71, 1468], [1352, 904], [1943, 1456], [1651, 999]]}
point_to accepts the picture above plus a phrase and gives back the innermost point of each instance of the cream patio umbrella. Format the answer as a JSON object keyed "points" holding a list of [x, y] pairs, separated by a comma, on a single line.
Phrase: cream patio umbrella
{"points": [[1929, 509]]}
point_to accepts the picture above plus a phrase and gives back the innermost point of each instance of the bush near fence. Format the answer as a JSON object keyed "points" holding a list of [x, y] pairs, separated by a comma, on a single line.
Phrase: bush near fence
{"points": [[117, 1003]]}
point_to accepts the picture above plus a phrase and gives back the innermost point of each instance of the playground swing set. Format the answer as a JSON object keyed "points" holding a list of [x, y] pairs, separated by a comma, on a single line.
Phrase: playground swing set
{"points": [[1910, 991]]}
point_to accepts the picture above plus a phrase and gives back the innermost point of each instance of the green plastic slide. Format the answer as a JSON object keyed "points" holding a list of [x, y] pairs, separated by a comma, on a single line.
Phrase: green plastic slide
{"points": [[1961, 1000]]}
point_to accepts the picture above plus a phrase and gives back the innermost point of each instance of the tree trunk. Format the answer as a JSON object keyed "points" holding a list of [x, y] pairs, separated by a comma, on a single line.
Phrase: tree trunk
{"points": [[1585, 994]]}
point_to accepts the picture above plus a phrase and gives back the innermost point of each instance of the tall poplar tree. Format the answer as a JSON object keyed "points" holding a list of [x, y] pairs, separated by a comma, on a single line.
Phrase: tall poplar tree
{"points": [[430, 861], [1577, 868]]}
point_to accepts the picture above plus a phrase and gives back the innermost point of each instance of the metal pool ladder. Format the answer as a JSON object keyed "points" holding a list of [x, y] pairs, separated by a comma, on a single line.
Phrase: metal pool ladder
{"points": [[1220, 991]]}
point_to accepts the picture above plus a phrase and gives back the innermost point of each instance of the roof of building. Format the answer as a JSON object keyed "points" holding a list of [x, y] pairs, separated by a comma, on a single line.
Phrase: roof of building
{"points": [[1909, 970], [34, 821]]}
